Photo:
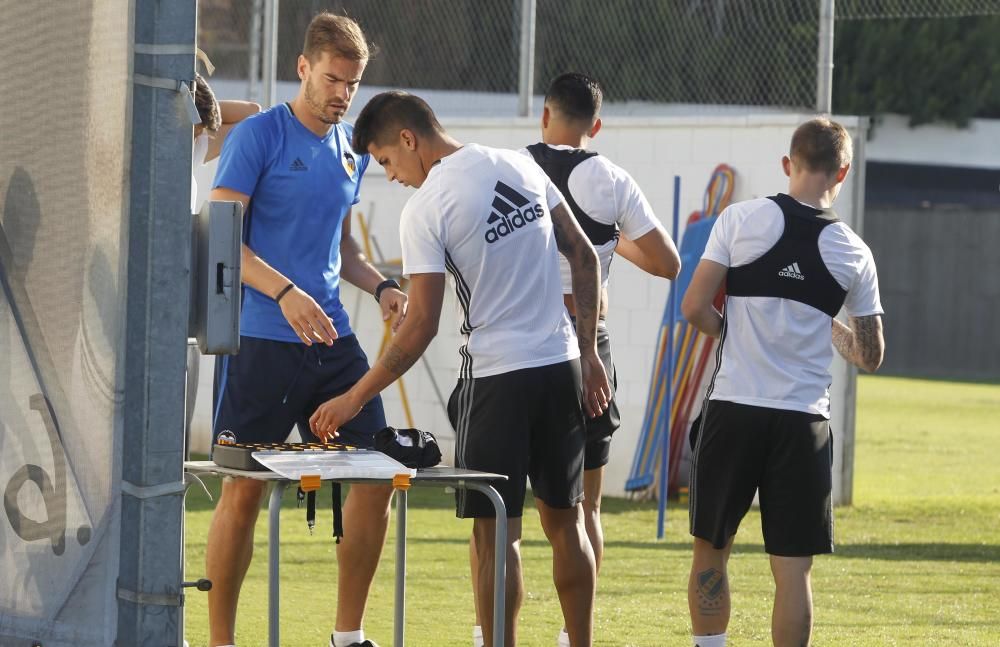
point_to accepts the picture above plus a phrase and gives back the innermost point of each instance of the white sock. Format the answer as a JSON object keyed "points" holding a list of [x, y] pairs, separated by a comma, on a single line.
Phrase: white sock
{"points": [[347, 638], [477, 636], [563, 639], [717, 640]]}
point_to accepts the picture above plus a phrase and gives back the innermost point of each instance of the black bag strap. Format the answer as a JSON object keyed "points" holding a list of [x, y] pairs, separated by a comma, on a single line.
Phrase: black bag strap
{"points": [[338, 512], [336, 507], [310, 499]]}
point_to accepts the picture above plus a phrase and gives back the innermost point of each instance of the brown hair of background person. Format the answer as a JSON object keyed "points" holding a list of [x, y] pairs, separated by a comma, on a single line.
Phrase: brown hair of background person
{"points": [[821, 145], [338, 36], [208, 106]]}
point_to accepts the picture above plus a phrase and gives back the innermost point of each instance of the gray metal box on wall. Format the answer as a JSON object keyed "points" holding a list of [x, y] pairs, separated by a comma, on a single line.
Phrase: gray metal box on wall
{"points": [[216, 242]]}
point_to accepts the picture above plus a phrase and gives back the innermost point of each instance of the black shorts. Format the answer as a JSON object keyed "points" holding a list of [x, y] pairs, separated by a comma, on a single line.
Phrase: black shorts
{"points": [[600, 429], [523, 424], [271, 386], [786, 455]]}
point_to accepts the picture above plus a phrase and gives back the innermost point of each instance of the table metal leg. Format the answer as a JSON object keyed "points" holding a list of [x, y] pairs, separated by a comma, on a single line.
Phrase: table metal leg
{"points": [[500, 552], [273, 550], [400, 618]]}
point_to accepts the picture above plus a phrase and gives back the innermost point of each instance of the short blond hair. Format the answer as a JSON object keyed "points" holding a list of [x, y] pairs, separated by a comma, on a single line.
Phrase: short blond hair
{"points": [[821, 145], [336, 35]]}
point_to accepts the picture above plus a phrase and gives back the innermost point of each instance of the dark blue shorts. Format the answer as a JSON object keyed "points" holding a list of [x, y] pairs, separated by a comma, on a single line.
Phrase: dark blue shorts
{"points": [[271, 386]]}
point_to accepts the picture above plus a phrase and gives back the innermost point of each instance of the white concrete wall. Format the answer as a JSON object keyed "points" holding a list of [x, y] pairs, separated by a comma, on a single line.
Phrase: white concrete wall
{"points": [[653, 151], [893, 140]]}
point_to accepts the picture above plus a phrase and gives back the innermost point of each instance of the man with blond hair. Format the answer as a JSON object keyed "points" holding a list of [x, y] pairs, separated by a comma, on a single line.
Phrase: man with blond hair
{"points": [[293, 170], [789, 266]]}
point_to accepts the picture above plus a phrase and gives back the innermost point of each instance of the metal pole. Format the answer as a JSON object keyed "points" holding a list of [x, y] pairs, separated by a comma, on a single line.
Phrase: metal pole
{"points": [[151, 454], [274, 563], [526, 69], [844, 494], [399, 622], [499, 556], [824, 62], [270, 54], [661, 517], [253, 76]]}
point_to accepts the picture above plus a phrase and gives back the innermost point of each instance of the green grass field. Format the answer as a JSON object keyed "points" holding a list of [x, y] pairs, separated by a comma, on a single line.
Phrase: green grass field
{"points": [[917, 561]]}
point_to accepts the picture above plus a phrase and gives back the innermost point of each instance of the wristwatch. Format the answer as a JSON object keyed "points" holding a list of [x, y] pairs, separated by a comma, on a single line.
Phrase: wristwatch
{"points": [[388, 283]]}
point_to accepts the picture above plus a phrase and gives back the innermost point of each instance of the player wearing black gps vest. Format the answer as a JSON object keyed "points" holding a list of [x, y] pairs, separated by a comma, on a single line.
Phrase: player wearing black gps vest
{"points": [[789, 266]]}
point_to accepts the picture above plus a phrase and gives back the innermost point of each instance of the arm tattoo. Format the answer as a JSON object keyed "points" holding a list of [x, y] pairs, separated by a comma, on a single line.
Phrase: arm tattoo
{"points": [[397, 361], [843, 340], [586, 303], [562, 244], [586, 294], [861, 344], [583, 263], [867, 338], [712, 592]]}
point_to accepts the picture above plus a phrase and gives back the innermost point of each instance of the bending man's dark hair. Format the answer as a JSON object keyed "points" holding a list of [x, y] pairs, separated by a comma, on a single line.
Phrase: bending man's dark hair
{"points": [[208, 106], [388, 113], [576, 96]]}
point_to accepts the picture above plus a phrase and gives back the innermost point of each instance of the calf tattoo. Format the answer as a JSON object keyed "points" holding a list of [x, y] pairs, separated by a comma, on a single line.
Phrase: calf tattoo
{"points": [[711, 587]]}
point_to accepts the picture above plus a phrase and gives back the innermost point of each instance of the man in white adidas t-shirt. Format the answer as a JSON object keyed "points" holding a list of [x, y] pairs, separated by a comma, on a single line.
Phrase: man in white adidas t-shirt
{"points": [[789, 266], [616, 218], [494, 220]]}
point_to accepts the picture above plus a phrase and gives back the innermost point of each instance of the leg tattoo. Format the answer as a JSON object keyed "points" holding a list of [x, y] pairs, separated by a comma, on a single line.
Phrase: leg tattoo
{"points": [[711, 586]]}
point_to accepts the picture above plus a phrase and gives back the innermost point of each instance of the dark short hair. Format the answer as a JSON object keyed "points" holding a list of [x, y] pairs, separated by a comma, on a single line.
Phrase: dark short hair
{"points": [[388, 113], [821, 146], [337, 36], [208, 107], [575, 95]]}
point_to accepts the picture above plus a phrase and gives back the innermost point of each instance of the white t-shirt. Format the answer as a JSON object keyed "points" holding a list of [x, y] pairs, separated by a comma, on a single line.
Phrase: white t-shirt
{"points": [[199, 151], [776, 352], [609, 196], [484, 215]]}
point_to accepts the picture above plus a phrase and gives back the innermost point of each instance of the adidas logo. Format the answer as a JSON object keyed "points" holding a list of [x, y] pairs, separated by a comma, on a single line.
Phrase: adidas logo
{"points": [[792, 272], [511, 211], [298, 165]]}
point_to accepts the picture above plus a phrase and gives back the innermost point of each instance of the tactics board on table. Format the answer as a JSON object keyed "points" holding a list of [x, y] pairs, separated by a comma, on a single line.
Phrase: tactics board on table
{"points": [[239, 456], [295, 460]]}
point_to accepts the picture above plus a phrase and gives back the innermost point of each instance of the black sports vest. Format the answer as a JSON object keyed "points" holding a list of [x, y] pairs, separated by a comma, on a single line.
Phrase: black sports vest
{"points": [[793, 269], [558, 164]]}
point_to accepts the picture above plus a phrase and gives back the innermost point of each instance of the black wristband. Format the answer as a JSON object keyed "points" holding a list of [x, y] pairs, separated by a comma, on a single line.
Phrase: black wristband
{"points": [[388, 283], [283, 292]]}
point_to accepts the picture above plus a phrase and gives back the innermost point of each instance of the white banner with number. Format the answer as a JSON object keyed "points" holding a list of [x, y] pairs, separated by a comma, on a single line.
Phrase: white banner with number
{"points": [[63, 201]]}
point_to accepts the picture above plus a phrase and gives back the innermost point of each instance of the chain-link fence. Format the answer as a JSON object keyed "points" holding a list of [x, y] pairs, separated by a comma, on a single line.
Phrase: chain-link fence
{"points": [[876, 9], [653, 57]]}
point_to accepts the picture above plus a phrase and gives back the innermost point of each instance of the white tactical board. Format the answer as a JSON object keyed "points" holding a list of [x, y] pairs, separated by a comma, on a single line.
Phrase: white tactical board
{"points": [[356, 464]]}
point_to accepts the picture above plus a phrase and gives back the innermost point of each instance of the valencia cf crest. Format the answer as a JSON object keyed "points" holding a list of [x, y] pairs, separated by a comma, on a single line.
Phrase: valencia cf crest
{"points": [[349, 164]]}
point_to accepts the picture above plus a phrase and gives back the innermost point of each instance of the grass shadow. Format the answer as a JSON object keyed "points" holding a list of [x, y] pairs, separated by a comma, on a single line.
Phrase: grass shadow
{"points": [[908, 552]]}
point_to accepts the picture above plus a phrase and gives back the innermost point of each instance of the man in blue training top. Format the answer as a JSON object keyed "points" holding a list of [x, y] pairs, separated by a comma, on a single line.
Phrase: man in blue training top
{"points": [[293, 169]]}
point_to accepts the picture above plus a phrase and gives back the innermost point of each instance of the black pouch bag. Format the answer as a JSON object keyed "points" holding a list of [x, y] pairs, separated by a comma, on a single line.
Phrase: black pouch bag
{"points": [[411, 447]]}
